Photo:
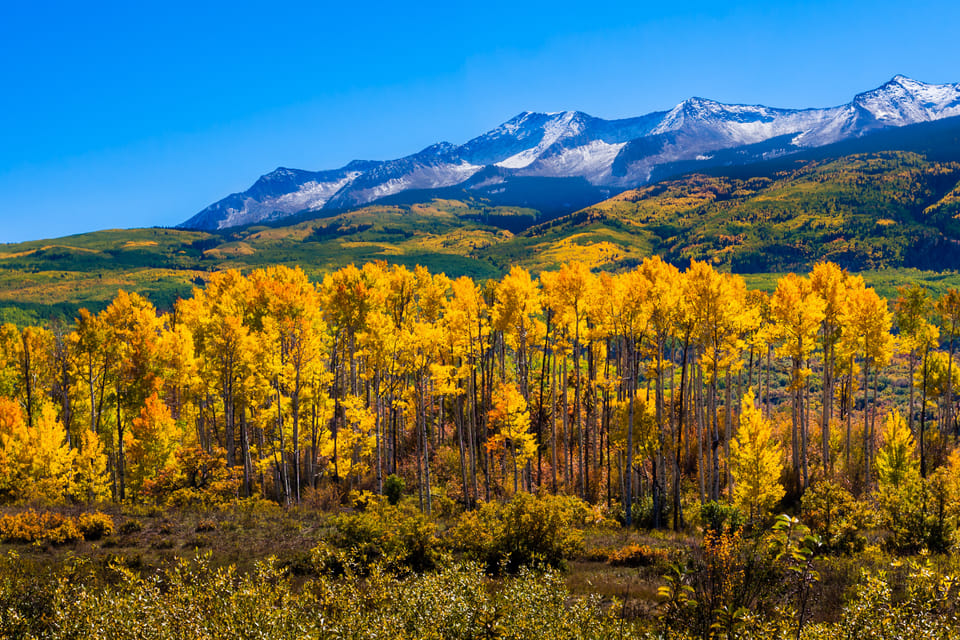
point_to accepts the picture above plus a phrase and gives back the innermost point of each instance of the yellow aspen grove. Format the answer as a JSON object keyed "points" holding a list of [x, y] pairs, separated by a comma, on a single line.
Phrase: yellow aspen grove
{"points": [[756, 462], [456, 385]]}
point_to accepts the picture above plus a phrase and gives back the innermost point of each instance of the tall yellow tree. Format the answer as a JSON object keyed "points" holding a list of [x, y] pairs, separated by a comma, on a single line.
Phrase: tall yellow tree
{"points": [[866, 324], [151, 441], [797, 312], [917, 336], [513, 437], [830, 283], [757, 462]]}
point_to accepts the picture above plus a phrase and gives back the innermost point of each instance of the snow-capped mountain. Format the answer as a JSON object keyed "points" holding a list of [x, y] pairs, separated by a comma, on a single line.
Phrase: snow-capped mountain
{"points": [[607, 154]]}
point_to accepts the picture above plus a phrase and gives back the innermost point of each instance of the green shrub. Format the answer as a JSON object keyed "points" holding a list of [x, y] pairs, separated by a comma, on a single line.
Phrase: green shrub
{"points": [[717, 516], [400, 537], [832, 513], [393, 488], [528, 530], [130, 526]]}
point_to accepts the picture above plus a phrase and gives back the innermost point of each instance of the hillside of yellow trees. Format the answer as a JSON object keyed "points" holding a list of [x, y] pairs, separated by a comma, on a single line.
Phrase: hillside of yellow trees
{"points": [[649, 391], [714, 461]]}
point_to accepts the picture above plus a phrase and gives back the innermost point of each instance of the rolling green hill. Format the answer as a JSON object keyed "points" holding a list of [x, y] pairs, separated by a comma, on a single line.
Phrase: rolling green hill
{"points": [[891, 214], [864, 211]]}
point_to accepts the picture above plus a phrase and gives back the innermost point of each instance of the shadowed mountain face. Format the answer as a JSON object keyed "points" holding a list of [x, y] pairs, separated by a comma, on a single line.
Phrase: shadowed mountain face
{"points": [[602, 157]]}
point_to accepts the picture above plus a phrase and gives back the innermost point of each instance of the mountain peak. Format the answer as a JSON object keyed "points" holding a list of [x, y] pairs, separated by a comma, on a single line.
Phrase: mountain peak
{"points": [[606, 154]]}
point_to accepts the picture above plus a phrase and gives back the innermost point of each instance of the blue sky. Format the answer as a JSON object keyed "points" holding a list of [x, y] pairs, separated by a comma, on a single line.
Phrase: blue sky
{"points": [[126, 114]]}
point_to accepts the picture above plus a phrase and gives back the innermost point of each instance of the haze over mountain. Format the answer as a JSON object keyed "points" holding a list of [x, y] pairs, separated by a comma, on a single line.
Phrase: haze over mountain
{"points": [[594, 158]]}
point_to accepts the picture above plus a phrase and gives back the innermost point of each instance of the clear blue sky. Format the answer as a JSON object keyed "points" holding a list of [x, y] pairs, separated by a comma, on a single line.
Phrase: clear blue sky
{"points": [[125, 114]]}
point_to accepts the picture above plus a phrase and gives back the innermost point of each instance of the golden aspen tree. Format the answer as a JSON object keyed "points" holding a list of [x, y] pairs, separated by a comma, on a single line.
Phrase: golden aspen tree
{"points": [[346, 299], [917, 336], [830, 283], [90, 481], [94, 357], [151, 441], [36, 463], [896, 465], [756, 462], [797, 312], [866, 324], [512, 419], [134, 330], [467, 326], [516, 303]]}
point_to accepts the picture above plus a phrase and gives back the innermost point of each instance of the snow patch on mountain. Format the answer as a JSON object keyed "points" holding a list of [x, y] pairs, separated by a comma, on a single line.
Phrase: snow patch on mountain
{"points": [[423, 177], [566, 124], [310, 195], [607, 153]]}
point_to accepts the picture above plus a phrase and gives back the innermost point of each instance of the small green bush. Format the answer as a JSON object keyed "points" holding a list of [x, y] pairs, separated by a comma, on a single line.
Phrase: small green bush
{"points": [[393, 488], [130, 526], [528, 530], [832, 513], [402, 538], [717, 516]]}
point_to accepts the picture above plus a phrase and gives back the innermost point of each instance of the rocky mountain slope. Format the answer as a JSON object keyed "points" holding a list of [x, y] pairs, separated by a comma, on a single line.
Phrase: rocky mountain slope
{"points": [[595, 158]]}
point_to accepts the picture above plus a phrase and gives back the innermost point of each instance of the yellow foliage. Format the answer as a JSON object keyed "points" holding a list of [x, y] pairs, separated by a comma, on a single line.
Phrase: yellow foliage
{"points": [[510, 414], [90, 480], [756, 462], [896, 466], [151, 442]]}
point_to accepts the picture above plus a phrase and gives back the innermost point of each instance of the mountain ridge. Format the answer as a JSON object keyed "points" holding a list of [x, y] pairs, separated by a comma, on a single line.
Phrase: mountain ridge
{"points": [[610, 155]]}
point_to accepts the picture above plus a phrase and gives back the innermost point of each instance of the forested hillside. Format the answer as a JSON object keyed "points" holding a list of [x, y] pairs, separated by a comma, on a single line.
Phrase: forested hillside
{"points": [[573, 417], [522, 383]]}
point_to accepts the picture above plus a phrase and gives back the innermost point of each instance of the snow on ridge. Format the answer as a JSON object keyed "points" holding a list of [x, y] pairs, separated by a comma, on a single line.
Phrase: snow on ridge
{"points": [[422, 177], [592, 161], [562, 124], [310, 195], [574, 144]]}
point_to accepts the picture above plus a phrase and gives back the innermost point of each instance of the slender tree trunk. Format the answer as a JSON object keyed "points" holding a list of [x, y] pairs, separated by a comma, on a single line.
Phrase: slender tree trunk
{"points": [[923, 414], [632, 390]]}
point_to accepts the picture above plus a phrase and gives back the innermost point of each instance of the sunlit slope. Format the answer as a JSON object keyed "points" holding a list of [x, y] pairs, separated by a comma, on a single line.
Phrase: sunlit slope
{"points": [[48, 278], [888, 212], [864, 211]]}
